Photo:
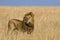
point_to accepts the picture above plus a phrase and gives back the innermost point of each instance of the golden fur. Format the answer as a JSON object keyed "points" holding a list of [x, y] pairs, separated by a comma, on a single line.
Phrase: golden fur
{"points": [[26, 25]]}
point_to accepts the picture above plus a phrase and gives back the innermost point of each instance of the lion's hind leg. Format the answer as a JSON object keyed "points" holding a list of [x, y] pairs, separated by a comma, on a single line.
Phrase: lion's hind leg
{"points": [[11, 26]]}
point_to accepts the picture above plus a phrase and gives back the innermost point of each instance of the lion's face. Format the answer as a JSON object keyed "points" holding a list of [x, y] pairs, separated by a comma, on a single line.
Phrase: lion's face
{"points": [[29, 19]]}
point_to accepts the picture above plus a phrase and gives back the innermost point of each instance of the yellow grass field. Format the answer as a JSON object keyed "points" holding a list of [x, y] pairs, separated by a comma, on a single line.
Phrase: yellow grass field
{"points": [[46, 22]]}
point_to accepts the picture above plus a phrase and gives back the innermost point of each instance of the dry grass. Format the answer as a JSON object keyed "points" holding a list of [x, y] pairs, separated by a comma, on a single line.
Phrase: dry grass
{"points": [[46, 26]]}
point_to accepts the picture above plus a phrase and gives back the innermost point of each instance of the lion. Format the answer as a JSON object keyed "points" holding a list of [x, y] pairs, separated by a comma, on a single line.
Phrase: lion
{"points": [[25, 25]]}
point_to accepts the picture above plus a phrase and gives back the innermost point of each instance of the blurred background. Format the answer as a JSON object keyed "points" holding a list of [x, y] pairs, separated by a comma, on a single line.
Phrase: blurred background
{"points": [[46, 22]]}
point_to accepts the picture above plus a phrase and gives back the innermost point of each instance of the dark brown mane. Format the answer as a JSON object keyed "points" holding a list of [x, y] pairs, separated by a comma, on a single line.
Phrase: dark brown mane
{"points": [[30, 13], [28, 27]]}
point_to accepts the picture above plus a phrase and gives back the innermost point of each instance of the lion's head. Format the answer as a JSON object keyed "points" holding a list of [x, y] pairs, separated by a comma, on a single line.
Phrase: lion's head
{"points": [[28, 22]]}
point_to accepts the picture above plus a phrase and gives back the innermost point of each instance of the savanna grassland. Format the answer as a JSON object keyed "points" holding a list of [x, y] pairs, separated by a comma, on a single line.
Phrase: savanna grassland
{"points": [[46, 22]]}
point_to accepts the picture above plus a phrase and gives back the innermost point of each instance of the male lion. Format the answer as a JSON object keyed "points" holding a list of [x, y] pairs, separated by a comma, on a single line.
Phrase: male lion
{"points": [[26, 25]]}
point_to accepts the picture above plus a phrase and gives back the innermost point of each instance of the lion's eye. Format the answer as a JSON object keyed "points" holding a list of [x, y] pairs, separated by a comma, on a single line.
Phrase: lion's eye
{"points": [[28, 16]]}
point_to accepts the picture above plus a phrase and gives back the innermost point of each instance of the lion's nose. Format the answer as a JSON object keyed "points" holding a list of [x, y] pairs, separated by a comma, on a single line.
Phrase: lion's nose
{"points": [[27, 22]]}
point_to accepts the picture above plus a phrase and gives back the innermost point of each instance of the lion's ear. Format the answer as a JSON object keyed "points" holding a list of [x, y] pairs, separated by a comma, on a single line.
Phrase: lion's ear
{"points": [[31, 13]]}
